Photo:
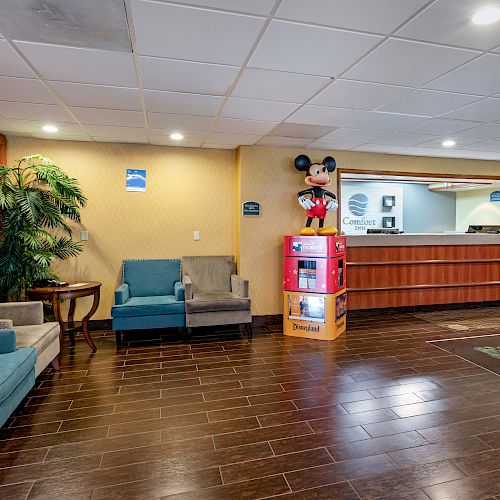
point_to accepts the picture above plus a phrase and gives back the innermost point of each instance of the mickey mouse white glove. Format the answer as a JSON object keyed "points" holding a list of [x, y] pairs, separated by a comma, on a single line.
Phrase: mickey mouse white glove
{"points": [[332, 205], [305, 203]]}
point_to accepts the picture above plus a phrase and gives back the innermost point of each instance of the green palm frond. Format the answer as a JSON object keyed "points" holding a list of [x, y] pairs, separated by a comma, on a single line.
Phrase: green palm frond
{"points": [[36, 196]]}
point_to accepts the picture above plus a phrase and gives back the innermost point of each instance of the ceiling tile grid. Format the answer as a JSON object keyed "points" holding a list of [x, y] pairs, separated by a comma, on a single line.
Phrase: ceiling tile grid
{"points": [[388, 76]]}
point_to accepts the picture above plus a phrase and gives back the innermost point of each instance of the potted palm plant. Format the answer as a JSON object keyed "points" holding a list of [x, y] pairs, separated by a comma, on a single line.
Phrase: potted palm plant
{"points": [[36, 199]]}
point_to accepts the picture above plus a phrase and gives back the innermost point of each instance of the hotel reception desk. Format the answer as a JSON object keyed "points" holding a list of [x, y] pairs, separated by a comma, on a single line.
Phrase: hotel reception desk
{"points": [[395, 270]]}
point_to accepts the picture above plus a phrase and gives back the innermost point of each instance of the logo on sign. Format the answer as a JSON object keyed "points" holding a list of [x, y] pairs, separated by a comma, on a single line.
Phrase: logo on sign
{"points": [[358, 204]]}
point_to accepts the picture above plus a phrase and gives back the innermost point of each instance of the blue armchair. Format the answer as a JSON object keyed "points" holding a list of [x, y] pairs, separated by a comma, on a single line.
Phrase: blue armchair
{"points": [[151, 296]]}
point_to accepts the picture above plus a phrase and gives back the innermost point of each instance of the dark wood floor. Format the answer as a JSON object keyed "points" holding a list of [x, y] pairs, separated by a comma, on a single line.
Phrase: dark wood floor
{"points": [[377, 414]]}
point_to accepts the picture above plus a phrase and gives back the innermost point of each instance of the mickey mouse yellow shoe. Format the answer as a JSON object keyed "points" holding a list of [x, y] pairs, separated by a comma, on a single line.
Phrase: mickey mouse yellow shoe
{"points": [[327, 231], [307, 231]]}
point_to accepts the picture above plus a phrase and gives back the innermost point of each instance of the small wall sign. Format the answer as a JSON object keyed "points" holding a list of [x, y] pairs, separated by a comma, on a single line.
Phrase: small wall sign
{"points": [[250, 209], [136, 180], [495, 196]]}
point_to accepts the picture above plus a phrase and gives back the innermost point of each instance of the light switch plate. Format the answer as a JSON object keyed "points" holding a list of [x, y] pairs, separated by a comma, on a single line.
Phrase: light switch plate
{"points": [[84, 235], [196, 236]]}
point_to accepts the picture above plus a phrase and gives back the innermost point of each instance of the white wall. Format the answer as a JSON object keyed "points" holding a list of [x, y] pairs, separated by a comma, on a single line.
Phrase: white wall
{"points": [[474, 207]]}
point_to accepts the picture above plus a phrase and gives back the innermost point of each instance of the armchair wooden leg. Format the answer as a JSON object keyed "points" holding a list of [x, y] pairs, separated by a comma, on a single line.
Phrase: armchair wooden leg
{"points": [[118, 335], [55, 364], [189, 334], [248, 327]]}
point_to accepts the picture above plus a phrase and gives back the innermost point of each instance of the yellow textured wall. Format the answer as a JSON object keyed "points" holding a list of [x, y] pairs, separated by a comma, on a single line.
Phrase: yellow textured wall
{"points": [[269, 177], [475, 207], [187, 189], [200, 189]]}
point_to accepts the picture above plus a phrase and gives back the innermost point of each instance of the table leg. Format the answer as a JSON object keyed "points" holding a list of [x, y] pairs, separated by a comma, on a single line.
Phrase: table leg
{"points": [[85, 322], [71, 321], [58, 318]]}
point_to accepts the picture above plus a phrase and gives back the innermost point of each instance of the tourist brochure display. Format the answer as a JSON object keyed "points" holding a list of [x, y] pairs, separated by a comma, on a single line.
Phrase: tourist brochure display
{"points": [[314, 274]]}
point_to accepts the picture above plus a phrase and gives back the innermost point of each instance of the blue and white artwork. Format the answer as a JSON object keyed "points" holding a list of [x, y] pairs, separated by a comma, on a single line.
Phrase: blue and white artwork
{"points": [[136, 180]]}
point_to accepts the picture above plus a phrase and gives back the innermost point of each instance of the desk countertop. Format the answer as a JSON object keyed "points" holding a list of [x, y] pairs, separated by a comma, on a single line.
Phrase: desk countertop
{"points": [[421, 239]]}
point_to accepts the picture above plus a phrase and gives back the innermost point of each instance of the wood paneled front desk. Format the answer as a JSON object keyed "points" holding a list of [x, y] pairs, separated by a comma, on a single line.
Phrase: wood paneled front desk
{"points": [[388, 270]]}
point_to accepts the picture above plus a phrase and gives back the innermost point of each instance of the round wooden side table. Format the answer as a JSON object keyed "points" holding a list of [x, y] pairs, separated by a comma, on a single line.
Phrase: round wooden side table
{"points": [[71, 291]]}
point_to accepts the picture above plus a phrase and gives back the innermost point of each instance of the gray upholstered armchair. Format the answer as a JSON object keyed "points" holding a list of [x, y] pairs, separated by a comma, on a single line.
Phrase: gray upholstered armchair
{"points": [[215, 294]]}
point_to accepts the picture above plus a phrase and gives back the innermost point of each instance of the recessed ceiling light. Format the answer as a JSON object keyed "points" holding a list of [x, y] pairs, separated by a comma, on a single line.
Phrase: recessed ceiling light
{"points": [[448, 144], [50, 128], [176, 136], [488, 14]]}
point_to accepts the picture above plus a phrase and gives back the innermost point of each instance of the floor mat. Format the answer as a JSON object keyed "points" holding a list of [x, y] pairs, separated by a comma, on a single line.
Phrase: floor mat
{"points": [[466, 320], [483, 351]]}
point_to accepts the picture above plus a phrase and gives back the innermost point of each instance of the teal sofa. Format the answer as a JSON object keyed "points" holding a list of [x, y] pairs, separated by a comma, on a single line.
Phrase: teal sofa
{"points": [[17, 373], [151, 296]]}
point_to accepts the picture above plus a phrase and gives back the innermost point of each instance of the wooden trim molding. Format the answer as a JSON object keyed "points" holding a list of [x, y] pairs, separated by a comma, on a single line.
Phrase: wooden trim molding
{"points": [[432, 285], [3, 150], [425, 262]]}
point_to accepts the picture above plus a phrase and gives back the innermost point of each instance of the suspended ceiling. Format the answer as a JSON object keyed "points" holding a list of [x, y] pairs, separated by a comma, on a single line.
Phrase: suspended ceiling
{"points": [[387, 76]]}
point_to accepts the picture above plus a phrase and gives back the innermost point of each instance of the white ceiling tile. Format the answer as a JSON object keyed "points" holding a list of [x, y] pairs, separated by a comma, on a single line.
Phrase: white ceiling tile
{"points": [[449, 22], [123, 133], [98, 96], [401, 139], [358, 95], [252, 109], [12, 64], [35, 127], [284, 142], [441, 126], [333, 145], [185, 76], [487, 110], [182, 144], [438, 142], [232, 125], [480, 77], [488, 131], [417, 63], [312, 50], [301, 131], [118, 117], [259, 7], [39, 112], [386, 121], [220, 146], [76, 138], [179, 122], [225, 138], [278, 85], [348, 135], [163, 137], [182, 104], [382, 16], [490, 145], [322, 115], [429, 103], [123, 139], [193, 34], [8, 126], [24, 90], [71, 64]]}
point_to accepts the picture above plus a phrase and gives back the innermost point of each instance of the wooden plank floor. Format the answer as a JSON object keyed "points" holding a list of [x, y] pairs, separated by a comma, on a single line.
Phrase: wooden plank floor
{"points": [[377, 414]]}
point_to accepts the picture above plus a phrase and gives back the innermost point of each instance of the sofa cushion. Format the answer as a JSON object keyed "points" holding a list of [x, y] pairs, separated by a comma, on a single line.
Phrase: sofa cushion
{"points": [[14, 366], [151, 277], [216, 301], [148, 306], [209, 273], [39, 336]]}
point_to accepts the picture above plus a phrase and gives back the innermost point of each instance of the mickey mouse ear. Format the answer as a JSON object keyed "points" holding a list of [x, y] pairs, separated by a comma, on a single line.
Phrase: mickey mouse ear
{"points": [[302, 163], [330, 163]]}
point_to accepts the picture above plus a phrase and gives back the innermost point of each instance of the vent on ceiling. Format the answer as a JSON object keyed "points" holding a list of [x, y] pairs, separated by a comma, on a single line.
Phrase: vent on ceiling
{"points": [[96, 24]]}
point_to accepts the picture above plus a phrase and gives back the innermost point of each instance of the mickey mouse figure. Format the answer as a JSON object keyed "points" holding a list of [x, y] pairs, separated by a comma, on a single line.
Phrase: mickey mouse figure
{"points": [[317, 206]]}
